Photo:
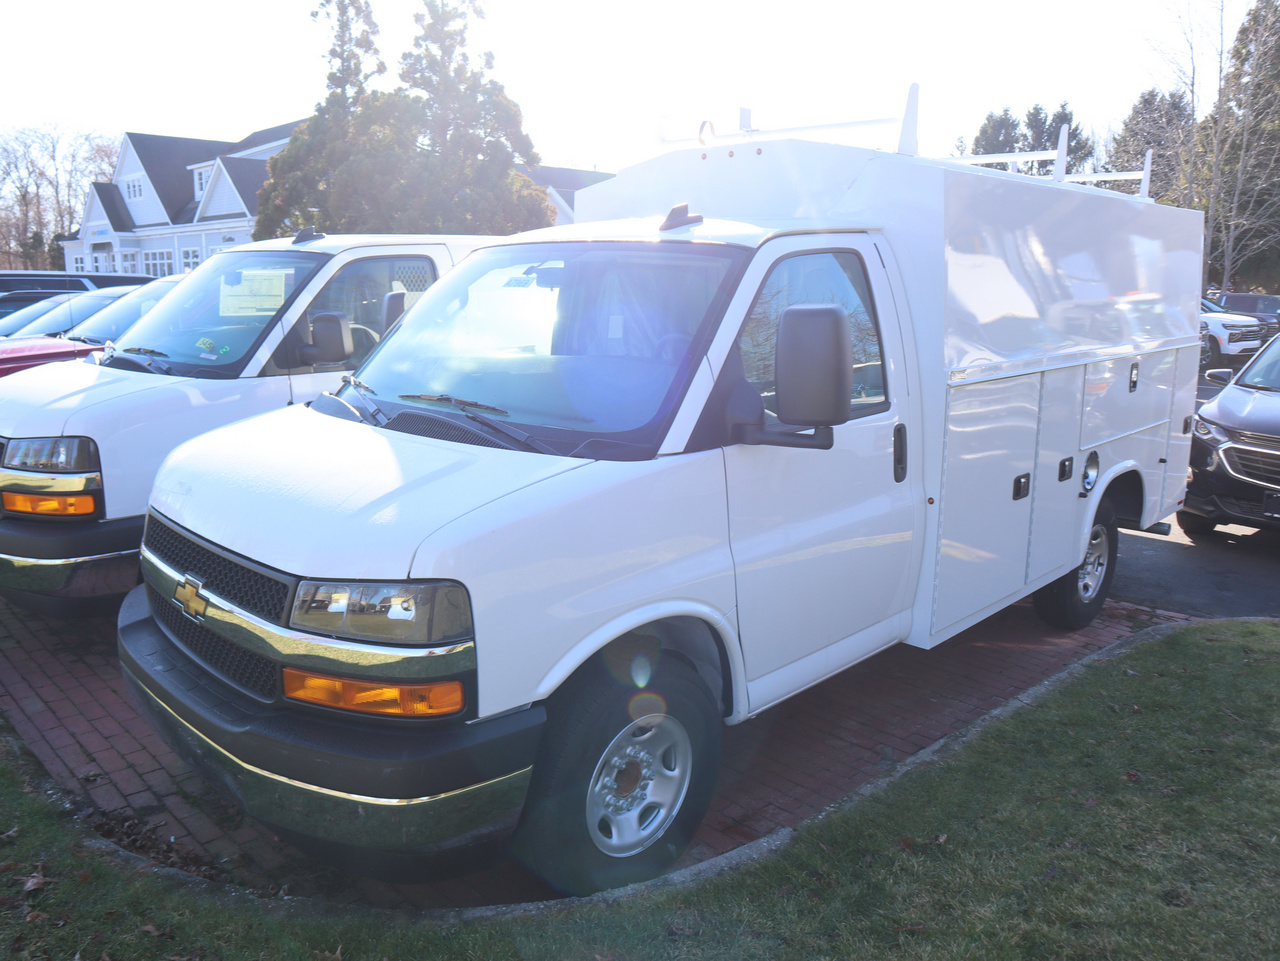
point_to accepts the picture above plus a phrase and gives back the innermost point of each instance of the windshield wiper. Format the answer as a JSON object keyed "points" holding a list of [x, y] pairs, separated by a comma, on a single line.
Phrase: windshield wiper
{"points": [[457, 402], [1266, 387], [468, 407], [154, 355], [366, 393]]}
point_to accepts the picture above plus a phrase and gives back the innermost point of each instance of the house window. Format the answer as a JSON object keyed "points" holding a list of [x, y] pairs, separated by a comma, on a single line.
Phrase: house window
{"points": [[133, 188], [128, 263], [202, 180], [157, 263], [77, 264], [190, 259]]}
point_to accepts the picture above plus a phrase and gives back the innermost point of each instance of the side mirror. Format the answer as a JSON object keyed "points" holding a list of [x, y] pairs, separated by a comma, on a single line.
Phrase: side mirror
{"points": [[392, 308], [1219, 375], [813, 377], [330, 340]]}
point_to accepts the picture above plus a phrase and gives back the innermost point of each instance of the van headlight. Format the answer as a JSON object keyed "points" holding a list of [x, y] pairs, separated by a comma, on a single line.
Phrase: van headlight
{"points": [[426, 613], [58, 455]]}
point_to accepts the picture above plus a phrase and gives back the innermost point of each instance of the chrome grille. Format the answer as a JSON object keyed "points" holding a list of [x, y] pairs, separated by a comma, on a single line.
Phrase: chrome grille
{"points": [[1257, 440], [1259, 466], [249, 589], [251, 671]]}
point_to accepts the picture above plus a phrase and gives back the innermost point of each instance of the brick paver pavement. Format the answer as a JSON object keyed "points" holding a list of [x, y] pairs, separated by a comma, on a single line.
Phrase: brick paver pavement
{"points": [[60, 688]]}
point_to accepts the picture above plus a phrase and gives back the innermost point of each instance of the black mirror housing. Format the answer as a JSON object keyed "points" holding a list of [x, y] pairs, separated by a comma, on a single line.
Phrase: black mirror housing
{"points": [[813, 367], [330, 340]]}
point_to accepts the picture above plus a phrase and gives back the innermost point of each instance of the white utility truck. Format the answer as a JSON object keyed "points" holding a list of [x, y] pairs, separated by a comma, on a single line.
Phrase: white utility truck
{"points": [[251, 329], [614, 485]]}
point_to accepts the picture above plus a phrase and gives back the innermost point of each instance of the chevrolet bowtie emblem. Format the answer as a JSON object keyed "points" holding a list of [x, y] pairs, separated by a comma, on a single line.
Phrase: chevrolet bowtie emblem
{"points": [[187, 596]]}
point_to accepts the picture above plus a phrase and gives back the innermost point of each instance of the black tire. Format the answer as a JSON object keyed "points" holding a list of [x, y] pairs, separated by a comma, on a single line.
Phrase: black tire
{"points": [[1074, 600], [1215, 355], [1194, 525], [614, 800]]}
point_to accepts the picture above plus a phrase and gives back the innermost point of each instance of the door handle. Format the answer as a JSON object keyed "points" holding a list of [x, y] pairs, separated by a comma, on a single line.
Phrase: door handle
{"points": [[899, 453]]}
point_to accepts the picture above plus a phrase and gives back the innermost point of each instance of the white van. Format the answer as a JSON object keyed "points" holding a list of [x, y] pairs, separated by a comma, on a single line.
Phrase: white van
{"points": [[614, 485], [252, 329]]}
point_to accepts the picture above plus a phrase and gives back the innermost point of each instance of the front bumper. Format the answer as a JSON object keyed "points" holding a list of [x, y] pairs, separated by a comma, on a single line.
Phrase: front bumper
{"points": [[383, 799], [82, 559], [1227, 496]]}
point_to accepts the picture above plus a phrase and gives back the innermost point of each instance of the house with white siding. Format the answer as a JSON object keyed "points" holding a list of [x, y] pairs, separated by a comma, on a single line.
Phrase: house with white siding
{"points": [[173, 201]]}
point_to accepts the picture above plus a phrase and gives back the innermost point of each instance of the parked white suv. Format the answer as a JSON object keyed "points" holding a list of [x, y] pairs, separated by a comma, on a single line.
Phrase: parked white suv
{"points": [[1233, 338]]}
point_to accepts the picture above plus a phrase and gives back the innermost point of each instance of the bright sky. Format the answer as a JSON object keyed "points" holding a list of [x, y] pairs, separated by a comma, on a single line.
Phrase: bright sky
{"points": [[601, 81]]}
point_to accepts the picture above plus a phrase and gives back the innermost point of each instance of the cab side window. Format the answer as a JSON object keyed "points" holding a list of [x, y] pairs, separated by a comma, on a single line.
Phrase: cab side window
{"points": [[835, 277], [356, 292]]}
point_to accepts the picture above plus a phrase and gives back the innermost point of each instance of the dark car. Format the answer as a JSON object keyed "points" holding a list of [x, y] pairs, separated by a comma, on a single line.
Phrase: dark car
{"points": [[65, 280], [76, 310], [12, 300], [1265, 307], [1235, 450], [18, 353], [12, 323]]}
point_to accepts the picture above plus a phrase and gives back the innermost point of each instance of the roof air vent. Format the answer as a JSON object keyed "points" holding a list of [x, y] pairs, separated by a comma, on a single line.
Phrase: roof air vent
{"points": [[680, 217]]}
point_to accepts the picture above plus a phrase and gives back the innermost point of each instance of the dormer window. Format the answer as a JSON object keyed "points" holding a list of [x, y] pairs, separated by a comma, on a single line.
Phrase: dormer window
{"points": [[202, 179], [133, 188]]}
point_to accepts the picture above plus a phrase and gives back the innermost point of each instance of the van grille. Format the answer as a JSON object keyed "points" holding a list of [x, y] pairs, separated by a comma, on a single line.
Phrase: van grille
{"points": [[1257, 440], [1259, 466], [249, 589], [251, 671]]}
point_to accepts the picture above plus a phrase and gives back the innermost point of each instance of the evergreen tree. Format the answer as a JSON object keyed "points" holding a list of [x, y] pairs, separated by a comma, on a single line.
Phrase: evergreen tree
{"points": [[1162, 123], [999, 133], [437, 157]]}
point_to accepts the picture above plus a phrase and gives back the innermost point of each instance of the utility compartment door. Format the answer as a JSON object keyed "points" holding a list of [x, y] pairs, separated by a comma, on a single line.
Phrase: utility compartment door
{"points": [[824, 542], [988, 471]]}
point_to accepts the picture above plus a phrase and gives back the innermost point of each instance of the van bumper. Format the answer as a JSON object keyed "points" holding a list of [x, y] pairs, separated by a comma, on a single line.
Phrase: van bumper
{"points": [[51, 560], [397, 801]]}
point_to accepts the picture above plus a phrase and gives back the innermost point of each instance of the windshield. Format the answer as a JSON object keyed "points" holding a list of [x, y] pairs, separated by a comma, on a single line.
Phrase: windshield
{"points": [[74, 311], [572, 341], [20, 318], [117, 317], [1208, 306], [218, 315], [1264, 370]]}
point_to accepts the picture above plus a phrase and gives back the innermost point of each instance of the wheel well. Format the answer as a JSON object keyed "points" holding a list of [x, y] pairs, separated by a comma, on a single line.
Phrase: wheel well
{"points": [[688, 638], [1126, 496]]}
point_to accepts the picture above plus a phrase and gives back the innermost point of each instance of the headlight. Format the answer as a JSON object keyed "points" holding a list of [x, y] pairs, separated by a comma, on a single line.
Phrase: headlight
{"points": [[1209, 432], [391, 613], [59, 455]]}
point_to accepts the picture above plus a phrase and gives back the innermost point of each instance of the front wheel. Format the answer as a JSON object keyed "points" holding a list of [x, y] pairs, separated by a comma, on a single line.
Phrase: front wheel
{"points": [[1194, 525], [623, 778], [1074, 599]]}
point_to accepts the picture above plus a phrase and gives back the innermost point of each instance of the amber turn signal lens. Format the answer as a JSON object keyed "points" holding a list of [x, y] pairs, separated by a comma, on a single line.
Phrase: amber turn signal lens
{"points": [[412, 700], [54, 505]]}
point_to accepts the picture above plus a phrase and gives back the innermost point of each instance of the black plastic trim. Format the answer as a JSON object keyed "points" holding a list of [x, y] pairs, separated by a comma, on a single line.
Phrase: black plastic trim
{"points": [[65, 539]]}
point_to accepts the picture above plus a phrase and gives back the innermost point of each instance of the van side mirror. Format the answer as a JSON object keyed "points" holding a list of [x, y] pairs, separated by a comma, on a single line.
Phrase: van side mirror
{"points": [[813, 377], [392, 308], [330, 340]]}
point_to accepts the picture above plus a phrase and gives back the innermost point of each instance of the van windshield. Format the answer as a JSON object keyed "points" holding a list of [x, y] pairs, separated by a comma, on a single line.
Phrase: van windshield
{"points": [[214, 320], [571, 341]]}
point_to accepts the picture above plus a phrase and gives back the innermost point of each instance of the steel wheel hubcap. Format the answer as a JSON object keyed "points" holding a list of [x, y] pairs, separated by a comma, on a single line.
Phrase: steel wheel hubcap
{"points": [[638, 785], [1094, 567]]}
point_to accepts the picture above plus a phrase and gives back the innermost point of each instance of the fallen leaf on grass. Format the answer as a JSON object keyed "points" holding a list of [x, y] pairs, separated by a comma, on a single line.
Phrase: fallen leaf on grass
{"points": [[7, 866], [36, 916], [326, 956], [10, 834], [34, 882], [1132, 776]]}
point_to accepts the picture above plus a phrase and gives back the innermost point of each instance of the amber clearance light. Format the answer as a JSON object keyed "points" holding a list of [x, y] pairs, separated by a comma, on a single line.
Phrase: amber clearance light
{"points": [[57, 505], [412, 700]]}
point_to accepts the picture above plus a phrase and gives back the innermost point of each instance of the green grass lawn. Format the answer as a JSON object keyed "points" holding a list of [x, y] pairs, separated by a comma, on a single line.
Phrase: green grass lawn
{"points": [[1134, 813]]}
